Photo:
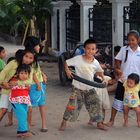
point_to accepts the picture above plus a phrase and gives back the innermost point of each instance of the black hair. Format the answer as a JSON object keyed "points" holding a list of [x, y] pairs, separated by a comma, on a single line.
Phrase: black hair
{"points": [[31, 42], [10, 59], [23, 67], [134, 77], [1, 49], [117, 49], [134, 33], [20, 55], [89, 41]]}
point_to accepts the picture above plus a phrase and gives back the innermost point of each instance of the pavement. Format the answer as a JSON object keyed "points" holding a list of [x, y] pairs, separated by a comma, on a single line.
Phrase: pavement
{"points": [[57, 99]]}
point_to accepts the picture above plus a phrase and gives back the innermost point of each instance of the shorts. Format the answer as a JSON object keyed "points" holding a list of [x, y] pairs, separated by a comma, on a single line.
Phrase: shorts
{"points": [[104, 97], [4, 101], [119, 95], [38, 98]]}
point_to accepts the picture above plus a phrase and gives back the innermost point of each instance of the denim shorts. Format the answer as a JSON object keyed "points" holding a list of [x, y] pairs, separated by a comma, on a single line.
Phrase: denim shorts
{"points": [[38, 97]]}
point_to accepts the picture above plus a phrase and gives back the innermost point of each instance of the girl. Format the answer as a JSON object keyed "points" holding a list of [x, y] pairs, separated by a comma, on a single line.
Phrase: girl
{"points": [[20, 99], [127, 61], [131, 97], [38, 89], [8, 72]]}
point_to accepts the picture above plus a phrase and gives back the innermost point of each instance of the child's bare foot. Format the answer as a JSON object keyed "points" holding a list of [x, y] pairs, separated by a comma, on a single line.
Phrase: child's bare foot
{"points": [[8, 124], [91, 122], [32, 124], [109, 124], [62, 126], [125, 125], [138, 124], [101, 126]]}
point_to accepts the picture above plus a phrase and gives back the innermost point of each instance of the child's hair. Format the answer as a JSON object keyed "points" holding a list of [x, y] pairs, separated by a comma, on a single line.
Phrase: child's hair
{"points": [[23, 68], [89, 41], [134, 33], [117, 49], [20, 55], [135, 77], [10, 59], [1, 49], [31, 42]]}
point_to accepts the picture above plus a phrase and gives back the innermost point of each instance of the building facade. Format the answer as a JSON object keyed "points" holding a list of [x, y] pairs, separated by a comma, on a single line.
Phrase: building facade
{"points": [[76, 20]]}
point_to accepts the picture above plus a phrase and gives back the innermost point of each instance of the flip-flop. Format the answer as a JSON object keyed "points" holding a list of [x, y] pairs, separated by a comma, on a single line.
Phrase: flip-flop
{"points": [[43, 130]]}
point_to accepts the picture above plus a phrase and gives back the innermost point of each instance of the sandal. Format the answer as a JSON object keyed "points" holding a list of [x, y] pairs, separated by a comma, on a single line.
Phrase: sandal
{"points": [[43, 130]]}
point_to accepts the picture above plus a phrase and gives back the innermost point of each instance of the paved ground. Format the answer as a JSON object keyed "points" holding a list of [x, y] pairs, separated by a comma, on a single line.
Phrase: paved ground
{"points": [[56, 100]]}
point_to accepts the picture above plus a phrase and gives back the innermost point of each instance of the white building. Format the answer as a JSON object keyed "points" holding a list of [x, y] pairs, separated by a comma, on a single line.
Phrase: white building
{"points": [[59, 22]]}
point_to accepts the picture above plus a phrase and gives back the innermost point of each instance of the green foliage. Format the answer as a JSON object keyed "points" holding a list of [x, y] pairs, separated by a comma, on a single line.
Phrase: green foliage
{"points": [[14, 14]]}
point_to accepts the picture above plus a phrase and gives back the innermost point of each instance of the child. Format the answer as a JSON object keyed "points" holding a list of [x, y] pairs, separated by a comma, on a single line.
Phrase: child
{"points": [[104, 98], [7, 73], [127, 61], [2, 56], [20, 99], [85, 66], [131, 97], [38, 89]]}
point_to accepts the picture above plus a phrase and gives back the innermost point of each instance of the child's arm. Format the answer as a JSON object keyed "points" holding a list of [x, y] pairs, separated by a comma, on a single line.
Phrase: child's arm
{"points": [[68, 71], [118, 71], [44, 77], [36, 81]]}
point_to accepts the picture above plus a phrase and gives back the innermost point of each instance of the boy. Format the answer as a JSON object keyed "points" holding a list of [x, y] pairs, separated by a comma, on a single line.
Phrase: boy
{"points": [[85, 66]]}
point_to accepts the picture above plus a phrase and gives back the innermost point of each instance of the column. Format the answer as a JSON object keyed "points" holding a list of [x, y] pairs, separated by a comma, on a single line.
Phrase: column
{"points": [[63, 6], [84, 17], [54, 26], [117, 20]]}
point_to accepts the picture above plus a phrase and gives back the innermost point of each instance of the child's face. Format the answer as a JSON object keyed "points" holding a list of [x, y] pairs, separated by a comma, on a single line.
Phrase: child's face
{"points": [[28, 58], [23, 75], [3, 54], [132, 41], [37, 48], [90, 50], [130, 83]]}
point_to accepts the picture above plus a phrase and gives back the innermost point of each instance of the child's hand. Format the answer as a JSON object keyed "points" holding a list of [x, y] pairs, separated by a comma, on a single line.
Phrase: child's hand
{"points": [[44, 78], [105, 82], [38, 87], [69, 73], [12, 83], [6, 85]]}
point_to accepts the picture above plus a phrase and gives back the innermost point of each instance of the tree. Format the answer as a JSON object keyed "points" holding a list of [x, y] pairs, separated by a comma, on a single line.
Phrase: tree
{"points": [[18, 13]]}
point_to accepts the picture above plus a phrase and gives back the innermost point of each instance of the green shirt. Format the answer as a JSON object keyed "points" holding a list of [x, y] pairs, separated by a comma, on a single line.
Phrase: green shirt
{"points": [[8, 72], [2, 64]]}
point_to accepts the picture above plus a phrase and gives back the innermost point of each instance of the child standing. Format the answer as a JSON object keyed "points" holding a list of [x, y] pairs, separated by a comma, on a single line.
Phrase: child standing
{"points": [[127, 61], [38, 89], [7, 73], [85, 66], [131, 97], [2, 56], [20, 99]]}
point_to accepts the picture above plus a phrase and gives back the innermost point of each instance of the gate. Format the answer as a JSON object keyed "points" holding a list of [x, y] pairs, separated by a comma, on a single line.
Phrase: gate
{"points": [[72, 26], [131, 18], [100, 24]]}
